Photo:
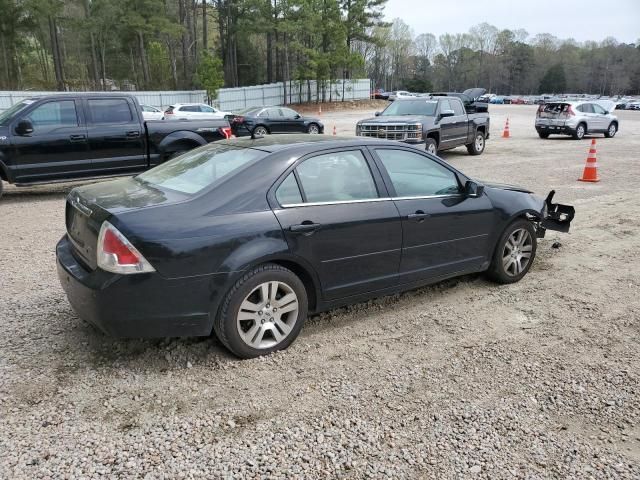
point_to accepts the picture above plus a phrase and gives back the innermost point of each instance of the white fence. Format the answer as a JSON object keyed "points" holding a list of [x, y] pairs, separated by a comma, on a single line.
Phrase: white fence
{"points": [[234, 98], [297, 92], [155, 99]]}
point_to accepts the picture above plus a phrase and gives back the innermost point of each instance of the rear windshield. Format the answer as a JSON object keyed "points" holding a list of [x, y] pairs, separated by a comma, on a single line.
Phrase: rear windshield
{"points": [[556, 108], [200, 168], [7, 115], [412, 107]]}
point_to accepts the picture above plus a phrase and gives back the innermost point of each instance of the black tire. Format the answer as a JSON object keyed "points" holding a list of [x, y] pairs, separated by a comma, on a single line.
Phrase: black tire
{"points": [[261, 131], [313, 129], [1, 188], [612, 130], [431, 146], [580, 131], [478, 144], [226, 324], [543, 135], [497, 270]]}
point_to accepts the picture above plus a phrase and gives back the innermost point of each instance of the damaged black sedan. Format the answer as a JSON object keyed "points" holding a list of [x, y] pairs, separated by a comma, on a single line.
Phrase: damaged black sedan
{"points": [[245, 237]]}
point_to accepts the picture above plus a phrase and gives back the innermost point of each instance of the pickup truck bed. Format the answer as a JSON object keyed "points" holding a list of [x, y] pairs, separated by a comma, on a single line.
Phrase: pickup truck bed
{"points": [[74, 136]]}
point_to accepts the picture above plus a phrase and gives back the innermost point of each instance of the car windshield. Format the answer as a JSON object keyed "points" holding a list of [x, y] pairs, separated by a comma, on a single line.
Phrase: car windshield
{"points": [[412, 107], [200, 168], [7, 115]]}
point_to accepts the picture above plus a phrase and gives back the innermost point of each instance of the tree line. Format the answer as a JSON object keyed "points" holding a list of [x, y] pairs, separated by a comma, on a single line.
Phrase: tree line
{"points": [[186, 44]]}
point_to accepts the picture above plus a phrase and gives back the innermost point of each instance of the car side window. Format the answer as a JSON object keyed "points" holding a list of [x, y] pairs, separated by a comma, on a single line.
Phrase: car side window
{"points": [[109, 111], [598, 109], [288, 113], [206, 109], [288, 192], [415, 175], [337, 177], [52, 115], [275, 113], [586, 108], [445, 105], [458, 109], [264, 113]]}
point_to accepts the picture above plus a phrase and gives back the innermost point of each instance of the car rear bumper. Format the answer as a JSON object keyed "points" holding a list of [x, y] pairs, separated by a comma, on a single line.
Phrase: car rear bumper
{"points": [[560, 129], [135, 306]]}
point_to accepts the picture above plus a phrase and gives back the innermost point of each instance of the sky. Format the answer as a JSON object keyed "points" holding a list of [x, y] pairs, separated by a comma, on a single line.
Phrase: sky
{"points": [[581, 20]]}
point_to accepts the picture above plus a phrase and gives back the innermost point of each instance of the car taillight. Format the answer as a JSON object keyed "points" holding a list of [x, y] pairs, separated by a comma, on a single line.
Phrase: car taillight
{"points": [[117, 255], [540, 110], [570, 112], [226, 131], [238, 120]]}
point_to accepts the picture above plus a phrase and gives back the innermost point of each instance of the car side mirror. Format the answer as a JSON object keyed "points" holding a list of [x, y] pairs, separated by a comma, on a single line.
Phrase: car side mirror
{"points": [[24, 127], [297, 116], [473, 189], [378, 114], [447, 113]]}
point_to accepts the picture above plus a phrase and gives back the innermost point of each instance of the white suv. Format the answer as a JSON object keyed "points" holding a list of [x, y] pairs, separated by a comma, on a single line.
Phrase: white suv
{"points": [[193, 111]]}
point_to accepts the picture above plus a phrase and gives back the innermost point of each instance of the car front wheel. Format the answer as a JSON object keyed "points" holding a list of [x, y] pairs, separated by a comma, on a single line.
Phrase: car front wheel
{"points": [[313, 129], [514, 253], [263, 312], [431, 146], [611, 131]]}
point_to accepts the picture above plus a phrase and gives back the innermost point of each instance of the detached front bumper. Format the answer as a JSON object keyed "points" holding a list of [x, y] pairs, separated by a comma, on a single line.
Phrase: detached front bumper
{"points": [[556, 216]]}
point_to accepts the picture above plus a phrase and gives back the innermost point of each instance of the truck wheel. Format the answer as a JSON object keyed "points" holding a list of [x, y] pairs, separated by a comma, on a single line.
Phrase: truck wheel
{"points": [[1, 188], [477, 147], [431, 146], [543, 134]]}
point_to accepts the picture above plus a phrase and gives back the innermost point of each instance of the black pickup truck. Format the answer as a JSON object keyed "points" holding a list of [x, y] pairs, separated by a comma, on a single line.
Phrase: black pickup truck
{"points": [[77, 136], [438, 121]]}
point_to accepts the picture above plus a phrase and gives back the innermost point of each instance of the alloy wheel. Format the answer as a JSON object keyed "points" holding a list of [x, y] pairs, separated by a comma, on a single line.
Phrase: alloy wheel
{"points": [[261, 131], [267, 315], [479, 142], [580, 131], [432, 149], [612, 130], [517, 252], [314, 130]]}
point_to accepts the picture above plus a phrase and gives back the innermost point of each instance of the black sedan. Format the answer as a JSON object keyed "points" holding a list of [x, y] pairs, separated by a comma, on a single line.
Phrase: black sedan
{"points": [[246, 237], [262, 121]]}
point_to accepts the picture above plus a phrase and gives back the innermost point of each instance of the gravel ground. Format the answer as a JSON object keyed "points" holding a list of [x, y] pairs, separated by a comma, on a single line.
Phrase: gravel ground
{"points": [[463, 379]]}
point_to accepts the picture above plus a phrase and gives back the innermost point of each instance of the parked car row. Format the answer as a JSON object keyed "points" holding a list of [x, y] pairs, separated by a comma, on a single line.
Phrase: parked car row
{"points": [[183, 111]]}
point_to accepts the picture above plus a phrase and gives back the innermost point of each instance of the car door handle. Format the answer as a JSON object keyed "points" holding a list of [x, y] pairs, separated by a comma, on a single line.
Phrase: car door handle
{"points": [[305, 227], [133, 133], [78, 138], [419, 216]]}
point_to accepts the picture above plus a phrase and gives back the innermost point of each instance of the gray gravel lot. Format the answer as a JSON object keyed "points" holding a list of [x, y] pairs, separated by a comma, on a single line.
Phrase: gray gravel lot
{"points": [[463, 379]]}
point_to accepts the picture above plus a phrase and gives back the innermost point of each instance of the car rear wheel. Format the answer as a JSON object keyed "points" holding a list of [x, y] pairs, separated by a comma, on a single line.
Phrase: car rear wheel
{"points": [[261, 131], [611, 131], [263, 312], [313, 129], [543, 135], [431, 146], [514, 253], [581, 129], [477, 147]]}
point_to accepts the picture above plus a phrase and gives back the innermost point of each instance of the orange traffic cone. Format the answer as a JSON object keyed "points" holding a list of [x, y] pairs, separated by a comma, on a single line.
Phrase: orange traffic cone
{"points": [[505, 132], [590, 173], [319, 110], [334, 130]]}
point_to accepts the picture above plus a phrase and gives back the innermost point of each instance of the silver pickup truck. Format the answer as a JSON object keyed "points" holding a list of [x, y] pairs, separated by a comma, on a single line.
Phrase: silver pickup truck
{"points": [[439, 122]]}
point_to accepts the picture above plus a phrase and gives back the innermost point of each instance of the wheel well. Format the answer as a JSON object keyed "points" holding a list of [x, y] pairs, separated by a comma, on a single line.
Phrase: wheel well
{"points": [[305, 277], [614, 122], [435, 136], [481, 129], [179, 146], [3, 173]]}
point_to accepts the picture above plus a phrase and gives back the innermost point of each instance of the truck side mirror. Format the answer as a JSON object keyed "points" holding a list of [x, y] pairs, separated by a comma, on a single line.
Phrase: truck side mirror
{"points": [[473, 189], [24, 127], [378, 114]]}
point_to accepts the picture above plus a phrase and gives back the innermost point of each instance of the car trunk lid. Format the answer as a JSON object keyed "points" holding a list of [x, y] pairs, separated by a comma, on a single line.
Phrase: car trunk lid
{"points": [[88, 207], [555, 114]]}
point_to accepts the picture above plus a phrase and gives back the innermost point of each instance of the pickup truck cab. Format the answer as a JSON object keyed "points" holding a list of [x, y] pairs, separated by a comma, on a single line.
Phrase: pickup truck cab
{"points": [[439, 122], [66, 137]]}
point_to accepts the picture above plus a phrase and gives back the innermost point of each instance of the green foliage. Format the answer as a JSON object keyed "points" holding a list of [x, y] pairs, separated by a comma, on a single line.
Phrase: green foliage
{"points": [[210, 75], [554, 80]]}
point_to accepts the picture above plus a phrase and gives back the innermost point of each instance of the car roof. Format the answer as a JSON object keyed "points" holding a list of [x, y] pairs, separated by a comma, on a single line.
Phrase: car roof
{"points": [[304, 142]]}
